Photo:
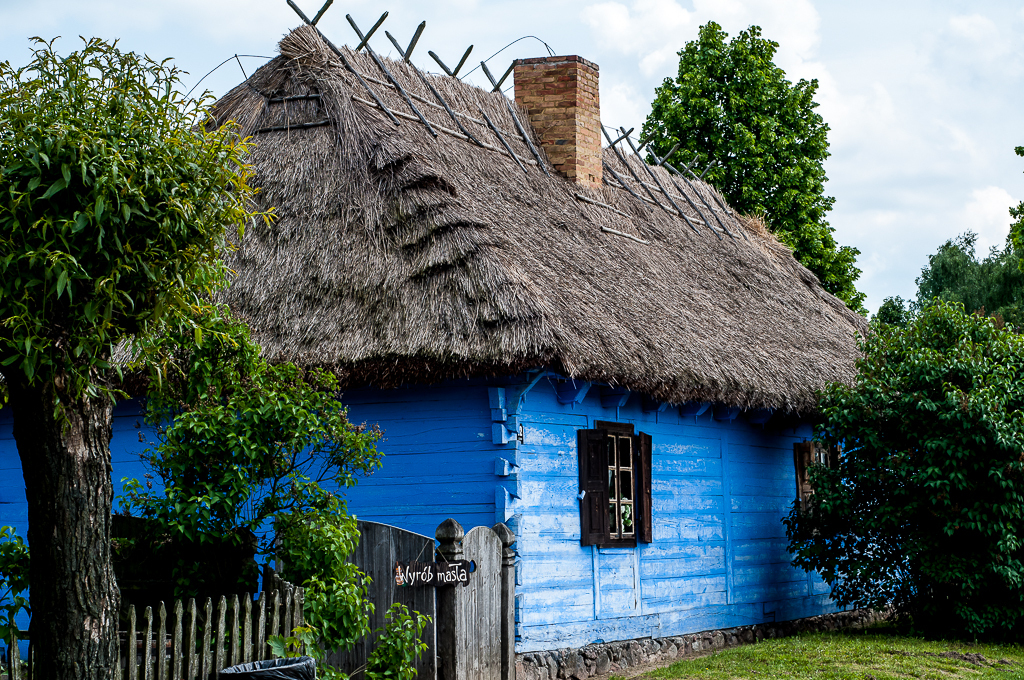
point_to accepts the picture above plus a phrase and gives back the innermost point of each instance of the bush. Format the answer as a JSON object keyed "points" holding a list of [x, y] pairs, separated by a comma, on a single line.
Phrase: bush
{"points": [[241, 442], [315, 546], [13, 580], [925, 510]]}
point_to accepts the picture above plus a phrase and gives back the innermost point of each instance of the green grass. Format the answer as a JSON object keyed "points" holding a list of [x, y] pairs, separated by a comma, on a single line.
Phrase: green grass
{"points": [[875, 653]]}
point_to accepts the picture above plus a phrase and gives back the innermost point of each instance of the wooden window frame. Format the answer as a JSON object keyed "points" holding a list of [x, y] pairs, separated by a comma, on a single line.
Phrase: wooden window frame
{"points": [[805, 456], [593, 484]]}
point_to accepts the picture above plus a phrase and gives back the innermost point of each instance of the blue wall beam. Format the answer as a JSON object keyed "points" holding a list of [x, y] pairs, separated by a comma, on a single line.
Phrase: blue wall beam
{"points": [[572, 391], [614, 397]]}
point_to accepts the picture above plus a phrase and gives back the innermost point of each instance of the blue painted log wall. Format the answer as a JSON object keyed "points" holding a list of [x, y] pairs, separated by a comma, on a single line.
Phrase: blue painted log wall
{"points": [[720, 491], [438, 456], [719, 559]]}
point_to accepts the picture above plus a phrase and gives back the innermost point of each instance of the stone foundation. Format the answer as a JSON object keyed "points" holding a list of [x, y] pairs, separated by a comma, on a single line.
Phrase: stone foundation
{"points": [[615, 657]]}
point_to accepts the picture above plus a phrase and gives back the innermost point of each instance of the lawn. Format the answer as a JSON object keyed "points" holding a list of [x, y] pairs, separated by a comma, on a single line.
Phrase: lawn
{"points": [[877, 653]]}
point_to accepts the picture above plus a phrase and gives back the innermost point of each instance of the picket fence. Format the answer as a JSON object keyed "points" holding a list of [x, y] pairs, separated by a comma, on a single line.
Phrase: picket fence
{"points": [[202, 641]]}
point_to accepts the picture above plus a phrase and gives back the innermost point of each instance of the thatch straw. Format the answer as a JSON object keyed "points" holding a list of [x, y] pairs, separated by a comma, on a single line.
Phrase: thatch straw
{"points": [[401, 258]]}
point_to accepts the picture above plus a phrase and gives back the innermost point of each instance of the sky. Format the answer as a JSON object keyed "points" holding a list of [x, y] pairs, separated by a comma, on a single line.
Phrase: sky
{"points": [[923, 99]]}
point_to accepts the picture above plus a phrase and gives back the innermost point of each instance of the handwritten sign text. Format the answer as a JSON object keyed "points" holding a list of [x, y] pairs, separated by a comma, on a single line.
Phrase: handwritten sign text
{"points": [[436, 574]]}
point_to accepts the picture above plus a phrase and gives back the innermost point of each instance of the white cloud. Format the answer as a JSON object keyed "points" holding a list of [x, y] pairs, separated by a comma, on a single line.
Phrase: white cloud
{"points": [[973, 27], [620, 102], [961, 140], [794, 24], [643, 28], [987, 214]]}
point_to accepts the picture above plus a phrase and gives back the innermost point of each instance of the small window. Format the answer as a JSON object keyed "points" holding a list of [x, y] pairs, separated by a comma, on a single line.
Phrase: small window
{"points": [[621, 519], [806, 455], [615, 485]]}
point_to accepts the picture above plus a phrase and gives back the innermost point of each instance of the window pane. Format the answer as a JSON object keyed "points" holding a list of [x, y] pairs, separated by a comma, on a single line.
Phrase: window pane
{"points": [[611, 485], [613, 526], [611, 451], [626, 485], [626, 512], [625, 451]]}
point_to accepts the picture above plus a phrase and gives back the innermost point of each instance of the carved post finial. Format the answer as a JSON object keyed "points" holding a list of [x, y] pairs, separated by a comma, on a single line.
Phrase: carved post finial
{"points": [[508, 539], [449, 534], [505, 534]]}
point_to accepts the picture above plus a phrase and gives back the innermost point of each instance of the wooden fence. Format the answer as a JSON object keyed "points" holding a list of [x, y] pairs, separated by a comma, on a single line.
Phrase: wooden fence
{"points": [[472, 636], [196, 643]]}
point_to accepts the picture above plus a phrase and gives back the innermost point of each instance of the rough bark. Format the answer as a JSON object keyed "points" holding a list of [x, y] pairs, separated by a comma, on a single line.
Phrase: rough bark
{"points": [[65, 458]]}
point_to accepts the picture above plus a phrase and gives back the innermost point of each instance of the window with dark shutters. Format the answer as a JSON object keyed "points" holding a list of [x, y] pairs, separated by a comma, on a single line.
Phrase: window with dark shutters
{"points": [[614, 486], [806, 455]]}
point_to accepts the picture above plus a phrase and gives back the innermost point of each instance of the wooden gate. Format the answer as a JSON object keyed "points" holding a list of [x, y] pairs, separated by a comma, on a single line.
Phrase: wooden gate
{"points": [[475, 635], [380, 546]]}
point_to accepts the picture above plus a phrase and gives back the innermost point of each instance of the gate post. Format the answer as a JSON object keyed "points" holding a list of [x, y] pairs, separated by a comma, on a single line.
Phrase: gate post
{"points": [[449, 534], [508, 602]]}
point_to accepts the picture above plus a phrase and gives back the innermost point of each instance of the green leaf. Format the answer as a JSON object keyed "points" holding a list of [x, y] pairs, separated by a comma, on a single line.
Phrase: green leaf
{"points": [[99, 208], [54, 188], [62, 281], [277, 646]]}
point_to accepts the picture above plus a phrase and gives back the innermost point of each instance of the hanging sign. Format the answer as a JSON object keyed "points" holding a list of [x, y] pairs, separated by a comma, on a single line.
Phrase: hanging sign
{"points": [[436, 574]]}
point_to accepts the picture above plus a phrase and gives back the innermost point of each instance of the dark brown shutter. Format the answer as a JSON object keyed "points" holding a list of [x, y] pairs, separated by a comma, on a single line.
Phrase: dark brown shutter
{"points": [[803, 457], [592, 449], [643, 496]]}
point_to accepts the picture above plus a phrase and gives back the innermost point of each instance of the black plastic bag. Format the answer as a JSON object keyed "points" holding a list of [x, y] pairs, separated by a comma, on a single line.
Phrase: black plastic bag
{"points": [[302, 668]]}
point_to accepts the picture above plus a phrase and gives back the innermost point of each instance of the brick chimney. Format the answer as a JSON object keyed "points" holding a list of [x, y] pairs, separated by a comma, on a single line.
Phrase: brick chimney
{"points": [[560, 95]]}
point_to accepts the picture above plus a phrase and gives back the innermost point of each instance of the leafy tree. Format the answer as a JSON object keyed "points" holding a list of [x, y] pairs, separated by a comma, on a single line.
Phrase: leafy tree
{"points": [[894, 311], [994, 284], [925, 510], [115, 202], [732, 105], [1017, 213]]}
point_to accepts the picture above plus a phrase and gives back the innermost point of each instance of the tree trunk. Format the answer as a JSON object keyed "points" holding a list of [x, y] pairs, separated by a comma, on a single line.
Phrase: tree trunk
{"points": [[65, 458]]}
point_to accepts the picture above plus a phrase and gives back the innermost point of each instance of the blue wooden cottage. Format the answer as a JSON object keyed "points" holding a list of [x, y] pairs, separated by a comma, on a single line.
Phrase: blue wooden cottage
{"points": [[552, 334]]}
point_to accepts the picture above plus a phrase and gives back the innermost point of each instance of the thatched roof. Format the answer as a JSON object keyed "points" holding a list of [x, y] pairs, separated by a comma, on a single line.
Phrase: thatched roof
{"points": [[398, 257]]}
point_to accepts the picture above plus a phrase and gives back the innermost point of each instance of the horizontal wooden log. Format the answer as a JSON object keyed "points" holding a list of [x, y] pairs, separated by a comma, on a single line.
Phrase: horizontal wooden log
{"points": [[297, 126], [445, 130]]}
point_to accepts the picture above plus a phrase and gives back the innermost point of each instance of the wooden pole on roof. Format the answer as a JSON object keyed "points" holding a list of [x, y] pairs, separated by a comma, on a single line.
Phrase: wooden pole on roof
{"points": [[628, 167], [384, 69], [657, 181], [664, 162], [344, 61], [452, 72], [728, 211], [501, 138], [423, 79], [622, 182], [407, 52]]}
